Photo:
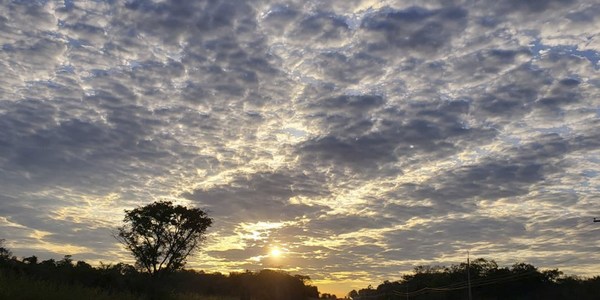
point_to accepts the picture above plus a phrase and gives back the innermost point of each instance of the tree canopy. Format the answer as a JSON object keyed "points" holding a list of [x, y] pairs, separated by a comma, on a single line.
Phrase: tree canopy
{"points": [[488, 281], [161, 235]]}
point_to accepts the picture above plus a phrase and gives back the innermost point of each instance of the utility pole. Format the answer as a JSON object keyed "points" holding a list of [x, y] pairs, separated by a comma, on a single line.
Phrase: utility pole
{"points": [[469, 275]]}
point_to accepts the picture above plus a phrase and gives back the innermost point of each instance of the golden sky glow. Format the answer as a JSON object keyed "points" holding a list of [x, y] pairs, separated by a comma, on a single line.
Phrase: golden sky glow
{"points": [[275, 252]]}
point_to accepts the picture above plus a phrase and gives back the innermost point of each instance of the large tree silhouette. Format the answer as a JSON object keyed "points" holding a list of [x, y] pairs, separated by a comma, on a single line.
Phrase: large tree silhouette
{"points": [[161, 235]]}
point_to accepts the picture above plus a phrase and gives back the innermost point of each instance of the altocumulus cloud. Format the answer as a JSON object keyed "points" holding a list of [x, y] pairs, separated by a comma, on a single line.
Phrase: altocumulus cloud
{"points": [[356, 135]]}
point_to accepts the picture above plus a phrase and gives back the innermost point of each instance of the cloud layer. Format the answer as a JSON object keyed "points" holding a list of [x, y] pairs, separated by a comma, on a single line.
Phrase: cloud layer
{"points": [[361, 137]]}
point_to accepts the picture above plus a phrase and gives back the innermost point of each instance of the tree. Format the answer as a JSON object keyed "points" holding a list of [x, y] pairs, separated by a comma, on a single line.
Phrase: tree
{"points": [[5, 254], [66, 262], [161, 235], [32, 260]]}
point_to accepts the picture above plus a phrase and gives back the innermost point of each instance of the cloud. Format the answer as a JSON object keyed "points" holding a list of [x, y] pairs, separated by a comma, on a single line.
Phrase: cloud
{"points": [[445, 236], [362, 140], [415, 29], [325, 29], [261, 196], [515, 172], [534, 7]]}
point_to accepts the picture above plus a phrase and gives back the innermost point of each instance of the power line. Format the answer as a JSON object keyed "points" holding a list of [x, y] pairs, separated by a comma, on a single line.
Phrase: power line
{"points": [[464, 285], [482, 282]]}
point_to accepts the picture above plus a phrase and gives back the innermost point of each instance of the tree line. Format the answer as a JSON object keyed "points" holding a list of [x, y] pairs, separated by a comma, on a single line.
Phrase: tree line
{"points": [[121, 277], [488, 281]]}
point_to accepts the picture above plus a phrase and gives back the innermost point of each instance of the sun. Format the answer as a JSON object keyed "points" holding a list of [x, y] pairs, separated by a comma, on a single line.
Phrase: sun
{"points": [[275, 252]]}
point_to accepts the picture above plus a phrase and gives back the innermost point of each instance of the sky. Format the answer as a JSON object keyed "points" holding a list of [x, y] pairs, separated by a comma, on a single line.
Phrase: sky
{"points": [[359, 138]]}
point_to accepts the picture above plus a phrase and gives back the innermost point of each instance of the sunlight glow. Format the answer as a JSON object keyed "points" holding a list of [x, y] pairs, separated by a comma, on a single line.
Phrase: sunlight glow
{"points": [[276, 252]]}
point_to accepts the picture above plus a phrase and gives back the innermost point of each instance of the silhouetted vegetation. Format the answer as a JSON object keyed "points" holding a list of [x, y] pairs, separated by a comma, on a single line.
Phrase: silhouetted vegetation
{"points": [[488, 282], [65, 279], [161, 235]]}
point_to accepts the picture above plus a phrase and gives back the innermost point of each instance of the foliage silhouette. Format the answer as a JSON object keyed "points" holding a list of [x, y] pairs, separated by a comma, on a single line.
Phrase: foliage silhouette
{"points": [[52, 279], [488, 281], [68, 279], [161, 235], [4, 252]]}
